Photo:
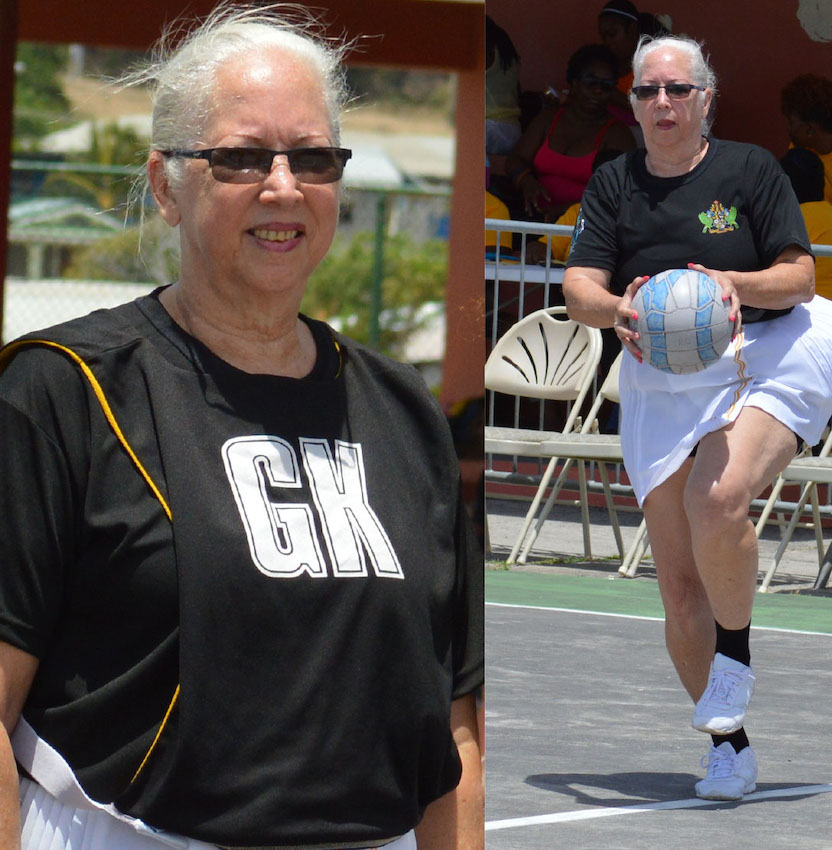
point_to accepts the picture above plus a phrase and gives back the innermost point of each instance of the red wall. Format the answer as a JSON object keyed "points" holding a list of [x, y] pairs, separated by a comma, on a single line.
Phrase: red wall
{"points": [[756, 47]]}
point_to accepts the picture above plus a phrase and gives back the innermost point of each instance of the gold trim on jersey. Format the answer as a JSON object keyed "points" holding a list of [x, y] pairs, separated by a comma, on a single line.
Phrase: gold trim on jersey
{"points": [[6, 354], [743, 378]]}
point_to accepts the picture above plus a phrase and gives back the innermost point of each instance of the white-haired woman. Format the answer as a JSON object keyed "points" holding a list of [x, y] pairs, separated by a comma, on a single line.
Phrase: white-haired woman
{"points": [[699, 448], [240, 605]]}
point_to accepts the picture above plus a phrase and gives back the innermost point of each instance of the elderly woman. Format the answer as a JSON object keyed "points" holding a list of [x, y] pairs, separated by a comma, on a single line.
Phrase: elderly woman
{"points": [[240, 605], [698, 448]]}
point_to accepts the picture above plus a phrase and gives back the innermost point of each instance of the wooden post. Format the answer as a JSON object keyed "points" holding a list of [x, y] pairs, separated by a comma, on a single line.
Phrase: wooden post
{"points": [[8, 46]]}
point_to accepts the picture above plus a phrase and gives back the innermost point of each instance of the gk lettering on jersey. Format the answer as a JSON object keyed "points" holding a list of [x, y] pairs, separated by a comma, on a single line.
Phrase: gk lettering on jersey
{"points": [[282, 535]]}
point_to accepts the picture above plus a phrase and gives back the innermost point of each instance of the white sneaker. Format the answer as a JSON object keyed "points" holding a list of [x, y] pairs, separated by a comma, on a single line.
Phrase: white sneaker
{"points": [[721, 709], [729, 774]]}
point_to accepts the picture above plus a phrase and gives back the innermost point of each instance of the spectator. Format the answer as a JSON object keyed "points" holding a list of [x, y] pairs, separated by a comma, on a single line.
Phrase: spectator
{"points": [[806, 103], [805, 170], [536, 251], [502, 91], [620, 25], [552, 162]]}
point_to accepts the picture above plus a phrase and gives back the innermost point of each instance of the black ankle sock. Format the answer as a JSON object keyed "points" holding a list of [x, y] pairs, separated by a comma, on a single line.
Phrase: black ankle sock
{"points": [[734, 643], [738, 740]]}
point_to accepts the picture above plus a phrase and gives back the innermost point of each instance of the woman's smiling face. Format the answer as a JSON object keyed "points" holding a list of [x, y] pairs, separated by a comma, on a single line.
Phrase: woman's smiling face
{"points": [[268, 235]]}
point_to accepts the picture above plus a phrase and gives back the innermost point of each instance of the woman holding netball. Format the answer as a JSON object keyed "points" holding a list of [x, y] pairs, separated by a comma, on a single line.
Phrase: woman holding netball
{"points": [[240, 601], [700, 447]]}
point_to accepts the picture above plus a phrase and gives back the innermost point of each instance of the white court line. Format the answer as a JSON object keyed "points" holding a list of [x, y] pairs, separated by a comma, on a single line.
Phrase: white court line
{"points": [[639, 617], [588, 814]]}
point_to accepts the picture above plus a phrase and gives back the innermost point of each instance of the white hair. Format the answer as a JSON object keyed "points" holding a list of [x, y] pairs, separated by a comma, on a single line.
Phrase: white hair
{"points": [[181, 72], [702, 74]]}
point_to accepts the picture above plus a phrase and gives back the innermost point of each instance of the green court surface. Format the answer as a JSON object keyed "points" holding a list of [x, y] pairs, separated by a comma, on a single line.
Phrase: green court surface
{"points": [[614, 595]]}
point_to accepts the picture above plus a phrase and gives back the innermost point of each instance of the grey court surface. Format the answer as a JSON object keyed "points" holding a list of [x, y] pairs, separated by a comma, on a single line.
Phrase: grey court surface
{"points": [[588, 738]]}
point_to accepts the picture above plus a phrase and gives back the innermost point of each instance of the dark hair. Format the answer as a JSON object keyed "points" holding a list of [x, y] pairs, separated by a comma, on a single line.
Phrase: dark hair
{"points": [[809, 96], [649, 24], [604, 155], [585, 56], [498, 38], [621, 9], [805, 171]]}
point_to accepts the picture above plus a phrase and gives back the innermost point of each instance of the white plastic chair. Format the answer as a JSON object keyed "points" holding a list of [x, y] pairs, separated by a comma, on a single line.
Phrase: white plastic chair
{"points": [[589, 445], [542, 356], [812, 471]]}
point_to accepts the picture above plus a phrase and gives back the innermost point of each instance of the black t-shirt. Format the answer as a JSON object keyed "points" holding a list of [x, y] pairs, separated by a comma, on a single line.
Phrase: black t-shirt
{"points": [[734, 211], [317, 595]]}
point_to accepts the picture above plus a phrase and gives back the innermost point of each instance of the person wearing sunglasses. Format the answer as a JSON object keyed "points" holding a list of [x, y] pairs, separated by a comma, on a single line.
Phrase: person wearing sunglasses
{"points": [[241, 599], [620, 25], [552, 162], [699, 447]]}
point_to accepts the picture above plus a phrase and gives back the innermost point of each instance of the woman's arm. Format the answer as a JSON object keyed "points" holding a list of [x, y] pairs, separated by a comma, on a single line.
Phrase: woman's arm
{"points": [[456, 821], [520, 162], [587, 295], [588, 300], [788, 281], [17, 669]]}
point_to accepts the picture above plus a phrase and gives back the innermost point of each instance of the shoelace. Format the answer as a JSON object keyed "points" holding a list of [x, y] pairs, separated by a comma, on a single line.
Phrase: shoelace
{"points": [[721, 688], [720, 765]]}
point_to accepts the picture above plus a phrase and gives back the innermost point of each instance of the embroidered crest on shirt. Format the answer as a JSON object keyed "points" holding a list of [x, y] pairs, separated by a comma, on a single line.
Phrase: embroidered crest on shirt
{"points": [[716, 219]]}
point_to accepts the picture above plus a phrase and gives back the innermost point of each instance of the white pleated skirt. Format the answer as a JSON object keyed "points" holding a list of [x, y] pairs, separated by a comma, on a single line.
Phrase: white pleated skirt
{"points": [[48, 824], [782, 366]]}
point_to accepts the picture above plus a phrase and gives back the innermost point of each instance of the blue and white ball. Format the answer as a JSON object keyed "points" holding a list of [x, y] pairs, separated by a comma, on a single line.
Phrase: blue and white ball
{"points": [[683, 323]]}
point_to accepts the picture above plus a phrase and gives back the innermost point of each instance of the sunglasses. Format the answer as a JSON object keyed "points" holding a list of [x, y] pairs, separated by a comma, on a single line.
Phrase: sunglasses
{"points": [[590, 80], [251, 165], [675, 91]]}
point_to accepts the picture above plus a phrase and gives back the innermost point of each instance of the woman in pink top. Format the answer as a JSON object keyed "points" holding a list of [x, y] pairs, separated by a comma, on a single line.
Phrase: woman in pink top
{"points": [[552, 162]]}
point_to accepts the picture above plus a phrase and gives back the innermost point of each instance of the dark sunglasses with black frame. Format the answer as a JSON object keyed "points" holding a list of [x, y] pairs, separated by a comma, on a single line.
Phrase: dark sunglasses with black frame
{"points": [[675, 91], [591, 81], [251, 165]]}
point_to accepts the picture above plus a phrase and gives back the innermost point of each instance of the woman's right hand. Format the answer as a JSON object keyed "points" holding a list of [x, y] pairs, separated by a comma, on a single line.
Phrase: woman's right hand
{"points": [[535, 198], [625, 316]]}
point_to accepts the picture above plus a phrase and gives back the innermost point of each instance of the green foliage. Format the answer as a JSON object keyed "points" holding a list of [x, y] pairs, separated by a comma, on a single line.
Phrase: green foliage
{"points": [[341, 287], [110, 145], [412, 275], [39, 102], [123, 258]]}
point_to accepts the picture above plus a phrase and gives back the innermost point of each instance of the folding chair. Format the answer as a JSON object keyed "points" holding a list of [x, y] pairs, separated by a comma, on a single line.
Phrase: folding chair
{"points": [[542, 356], [812, 471], [589, 445]]}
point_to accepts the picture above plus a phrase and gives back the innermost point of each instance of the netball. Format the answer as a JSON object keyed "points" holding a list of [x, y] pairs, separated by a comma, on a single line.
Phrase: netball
{"points": [[683, 323]]}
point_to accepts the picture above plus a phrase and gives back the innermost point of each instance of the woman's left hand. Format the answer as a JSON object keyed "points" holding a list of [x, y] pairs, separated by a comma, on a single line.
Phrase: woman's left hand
{"points": [[729, 291]]}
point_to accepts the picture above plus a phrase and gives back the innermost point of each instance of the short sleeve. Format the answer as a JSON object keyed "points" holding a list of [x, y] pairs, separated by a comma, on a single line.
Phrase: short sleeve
{"points": [[594, 243], [38, 499], [775, 213], [469, 639]]}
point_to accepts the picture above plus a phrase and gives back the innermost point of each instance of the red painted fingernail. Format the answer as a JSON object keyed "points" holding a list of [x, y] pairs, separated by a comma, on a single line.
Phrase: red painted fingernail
{"points": [[635, 316], [731, 318]]}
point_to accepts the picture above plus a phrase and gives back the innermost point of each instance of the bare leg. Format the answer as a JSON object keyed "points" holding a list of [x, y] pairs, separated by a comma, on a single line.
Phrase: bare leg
{"points": [[690, 633], [732, 467]]}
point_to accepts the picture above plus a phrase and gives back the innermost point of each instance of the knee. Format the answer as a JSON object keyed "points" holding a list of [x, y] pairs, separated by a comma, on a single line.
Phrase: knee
{"points": [[713, 509]]}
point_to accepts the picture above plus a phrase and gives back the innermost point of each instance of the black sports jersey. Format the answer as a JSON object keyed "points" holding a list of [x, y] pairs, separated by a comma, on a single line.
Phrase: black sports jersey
{"points": [[304, 620], [735, 210]]}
